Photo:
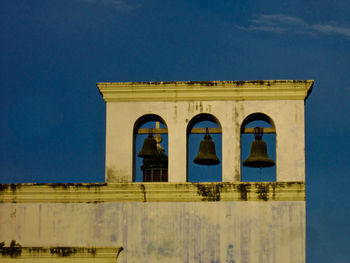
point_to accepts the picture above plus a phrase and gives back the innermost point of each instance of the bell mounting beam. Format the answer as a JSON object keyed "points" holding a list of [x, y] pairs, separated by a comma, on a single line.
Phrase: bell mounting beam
{"points": [[202, 130], [265, 130], [154, 131], [165, 131]]}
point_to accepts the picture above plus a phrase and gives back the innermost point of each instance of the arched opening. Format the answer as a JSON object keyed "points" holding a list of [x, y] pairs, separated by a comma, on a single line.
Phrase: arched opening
{"points": [[206, 169], [150, 135], [256, 166]]}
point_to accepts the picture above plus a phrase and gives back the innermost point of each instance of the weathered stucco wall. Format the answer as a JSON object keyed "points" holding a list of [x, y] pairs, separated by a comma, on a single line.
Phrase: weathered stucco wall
{"points": [[163, 231], [157, 222]]}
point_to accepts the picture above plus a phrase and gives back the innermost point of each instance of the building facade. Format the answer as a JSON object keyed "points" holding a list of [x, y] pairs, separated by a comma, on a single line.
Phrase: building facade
{"points": [[175, 221]]}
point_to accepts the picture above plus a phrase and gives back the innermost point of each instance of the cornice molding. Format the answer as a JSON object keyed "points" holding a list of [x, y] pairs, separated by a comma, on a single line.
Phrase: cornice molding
{"points": [[205, 90], [152, 192]]}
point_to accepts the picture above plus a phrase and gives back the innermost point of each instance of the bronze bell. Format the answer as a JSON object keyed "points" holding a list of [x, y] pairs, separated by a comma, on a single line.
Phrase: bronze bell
{"points": [[258, 157], [206, 154], [149, 148]]}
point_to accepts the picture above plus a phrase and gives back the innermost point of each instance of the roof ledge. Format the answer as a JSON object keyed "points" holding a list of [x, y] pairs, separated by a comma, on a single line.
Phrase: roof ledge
{"points": [[205, 90]]}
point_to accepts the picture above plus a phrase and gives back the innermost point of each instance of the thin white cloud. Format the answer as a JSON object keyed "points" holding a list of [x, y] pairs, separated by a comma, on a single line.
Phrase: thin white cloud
{"points": [[278, 23], [261, 28], [118, 4], [280, 19], [332, 29]]}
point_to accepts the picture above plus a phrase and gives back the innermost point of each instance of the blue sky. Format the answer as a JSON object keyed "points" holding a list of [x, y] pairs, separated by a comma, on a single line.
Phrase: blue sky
{"points": [[52, 118]]}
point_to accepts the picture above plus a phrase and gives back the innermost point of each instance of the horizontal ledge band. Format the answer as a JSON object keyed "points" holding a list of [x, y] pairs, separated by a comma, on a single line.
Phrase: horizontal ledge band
{"points": [[152, 192], [201, 130], [19, 252]]}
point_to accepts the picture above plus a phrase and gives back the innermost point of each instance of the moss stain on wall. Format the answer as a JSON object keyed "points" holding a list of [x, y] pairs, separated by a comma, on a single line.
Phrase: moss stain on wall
{"points": [[13, 251]]}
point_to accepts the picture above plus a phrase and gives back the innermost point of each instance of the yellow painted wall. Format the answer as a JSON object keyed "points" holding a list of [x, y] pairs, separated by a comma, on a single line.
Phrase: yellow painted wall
{"points": [[199, 222]]}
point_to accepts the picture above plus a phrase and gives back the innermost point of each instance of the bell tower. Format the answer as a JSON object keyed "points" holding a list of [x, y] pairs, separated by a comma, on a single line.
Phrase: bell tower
{"points": [[234, 221], [232, 104]]}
